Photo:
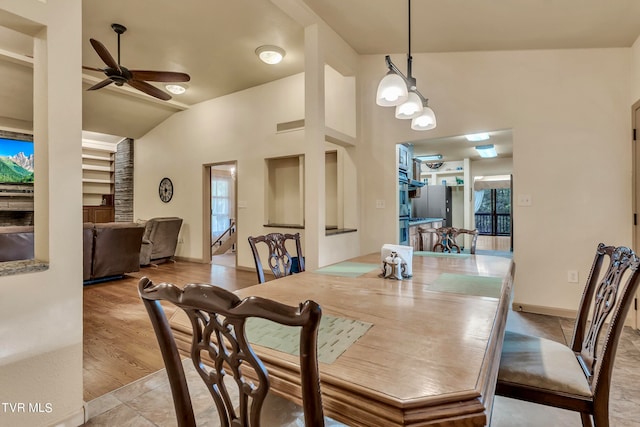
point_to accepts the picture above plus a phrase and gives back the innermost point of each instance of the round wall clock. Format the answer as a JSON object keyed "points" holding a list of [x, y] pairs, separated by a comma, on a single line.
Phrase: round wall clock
{"points": [[165, 190]]}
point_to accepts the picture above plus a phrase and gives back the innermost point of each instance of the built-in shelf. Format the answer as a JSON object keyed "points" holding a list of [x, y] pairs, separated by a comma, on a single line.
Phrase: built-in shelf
{"points": [[98, 176], [296, 226], [97, 181], [448, 172], [97, 168], [435, 177], [335, 231], [284, 188], [94, 157]]}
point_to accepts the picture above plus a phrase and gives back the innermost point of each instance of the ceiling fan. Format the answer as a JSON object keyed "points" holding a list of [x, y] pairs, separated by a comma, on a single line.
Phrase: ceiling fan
{"points": [[120, 75]]}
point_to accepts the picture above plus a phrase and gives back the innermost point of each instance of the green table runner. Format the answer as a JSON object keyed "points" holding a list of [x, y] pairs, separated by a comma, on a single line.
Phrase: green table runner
{"points": [[468, 285], [336, 334], [349, 269], [441, 254]]}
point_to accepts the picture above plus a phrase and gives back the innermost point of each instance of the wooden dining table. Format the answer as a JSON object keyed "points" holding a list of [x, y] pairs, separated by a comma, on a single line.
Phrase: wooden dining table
{"points": [[431, 345]]}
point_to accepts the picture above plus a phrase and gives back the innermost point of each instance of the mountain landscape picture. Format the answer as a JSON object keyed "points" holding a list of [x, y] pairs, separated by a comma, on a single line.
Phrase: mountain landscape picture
{"points": [[16, 161]]}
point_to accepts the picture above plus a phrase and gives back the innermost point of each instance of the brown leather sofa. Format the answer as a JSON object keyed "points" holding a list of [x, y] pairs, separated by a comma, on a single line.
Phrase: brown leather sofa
{"points": [[16, 243], [160, 240], [111, 249]]}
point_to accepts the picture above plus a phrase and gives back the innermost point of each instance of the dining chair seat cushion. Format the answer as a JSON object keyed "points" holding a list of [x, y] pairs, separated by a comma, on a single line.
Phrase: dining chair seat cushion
{"points": [[280, 412], [541, 363]]}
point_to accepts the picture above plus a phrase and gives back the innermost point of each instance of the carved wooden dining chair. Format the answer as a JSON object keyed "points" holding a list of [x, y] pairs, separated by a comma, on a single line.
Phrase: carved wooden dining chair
{"points": [[576, 377], [220, 348], [280, 260], [446, 239]]}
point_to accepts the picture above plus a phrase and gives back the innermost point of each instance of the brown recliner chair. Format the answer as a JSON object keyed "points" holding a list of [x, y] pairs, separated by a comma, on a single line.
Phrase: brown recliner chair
{"points": [[110, 250], [160, 240]]}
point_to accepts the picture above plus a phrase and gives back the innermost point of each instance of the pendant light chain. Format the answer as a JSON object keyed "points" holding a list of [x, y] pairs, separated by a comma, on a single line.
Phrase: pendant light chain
{"points": [[409, 58]]}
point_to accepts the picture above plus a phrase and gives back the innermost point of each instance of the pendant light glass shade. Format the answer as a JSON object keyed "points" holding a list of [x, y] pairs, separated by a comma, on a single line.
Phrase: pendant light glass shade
{"points": [[392, 90], [411, 108], [425, 121]]}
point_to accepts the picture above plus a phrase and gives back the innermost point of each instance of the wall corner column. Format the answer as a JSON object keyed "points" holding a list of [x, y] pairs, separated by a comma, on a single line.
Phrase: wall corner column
{"points": [[314, 146]]}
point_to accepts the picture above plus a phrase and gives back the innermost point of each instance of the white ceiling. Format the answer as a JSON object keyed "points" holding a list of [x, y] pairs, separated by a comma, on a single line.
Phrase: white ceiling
{"points": [[458, 147], [214, 41]]}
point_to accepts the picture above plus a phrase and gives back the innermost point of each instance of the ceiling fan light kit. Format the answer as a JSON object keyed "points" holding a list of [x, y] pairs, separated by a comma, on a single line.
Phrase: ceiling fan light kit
{"points": [[400, 91], [270, 54], [175, 89], [137, 79]]}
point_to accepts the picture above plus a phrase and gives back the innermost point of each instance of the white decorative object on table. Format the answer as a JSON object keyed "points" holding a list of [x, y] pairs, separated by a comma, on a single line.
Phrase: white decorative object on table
{"points": [[405, 253]]}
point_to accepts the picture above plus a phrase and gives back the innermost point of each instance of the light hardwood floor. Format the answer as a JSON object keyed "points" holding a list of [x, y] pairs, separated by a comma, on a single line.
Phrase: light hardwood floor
{"points": [[493, 243], [119, 344]]}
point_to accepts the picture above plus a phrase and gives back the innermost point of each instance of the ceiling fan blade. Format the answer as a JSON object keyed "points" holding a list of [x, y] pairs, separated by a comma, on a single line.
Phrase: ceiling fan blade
{"points": [[104, 54], [160, 76], [149, 89], [92, 68], [105, 82]]}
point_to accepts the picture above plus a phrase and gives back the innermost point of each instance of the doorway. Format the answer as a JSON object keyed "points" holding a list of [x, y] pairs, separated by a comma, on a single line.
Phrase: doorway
{"points": [[220, 218], [635, 193], [492, 212]]}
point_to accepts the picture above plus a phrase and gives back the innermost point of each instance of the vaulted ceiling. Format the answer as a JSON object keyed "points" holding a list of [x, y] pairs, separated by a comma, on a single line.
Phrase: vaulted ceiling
{"points": [[214, 41]]}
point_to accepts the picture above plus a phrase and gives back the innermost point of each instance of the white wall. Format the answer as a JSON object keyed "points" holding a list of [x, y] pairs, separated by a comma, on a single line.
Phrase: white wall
{"points": [[241, 127], [487, 167], [635, 71], [340, 101], [569, 111], [41, 313]]}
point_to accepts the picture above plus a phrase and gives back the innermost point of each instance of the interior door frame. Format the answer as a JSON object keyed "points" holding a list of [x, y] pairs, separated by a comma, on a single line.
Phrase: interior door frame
{"points": [[206, 206], [635, 197]]}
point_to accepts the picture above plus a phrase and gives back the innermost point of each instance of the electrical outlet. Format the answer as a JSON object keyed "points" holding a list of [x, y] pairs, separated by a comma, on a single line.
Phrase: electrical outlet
{"points": [[524, 200], [572, 276], [181, 240], [380, 204]]}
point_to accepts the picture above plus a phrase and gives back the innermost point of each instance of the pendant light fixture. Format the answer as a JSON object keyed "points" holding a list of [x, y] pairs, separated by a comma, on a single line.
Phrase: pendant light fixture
{"points": [[400, 91]]}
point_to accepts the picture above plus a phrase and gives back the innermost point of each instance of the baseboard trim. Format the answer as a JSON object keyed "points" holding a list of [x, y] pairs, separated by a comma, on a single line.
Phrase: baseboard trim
{"points": [[540, 309], [188, 259], [560, 312]]}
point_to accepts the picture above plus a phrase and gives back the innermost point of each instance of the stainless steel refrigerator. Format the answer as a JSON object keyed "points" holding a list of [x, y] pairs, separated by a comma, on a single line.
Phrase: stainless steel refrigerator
{"points": [[434, 202]]}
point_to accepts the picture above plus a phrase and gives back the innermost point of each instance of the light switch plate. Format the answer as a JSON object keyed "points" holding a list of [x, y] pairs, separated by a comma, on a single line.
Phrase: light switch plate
{"points": [[242, 204], [380, 204]]}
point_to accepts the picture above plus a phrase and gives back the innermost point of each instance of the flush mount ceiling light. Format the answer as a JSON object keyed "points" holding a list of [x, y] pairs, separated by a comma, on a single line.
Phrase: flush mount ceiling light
{"points": [[430, 158], [176, 89], [400, 91], [475, 137], [486, 151], [270, 54]]}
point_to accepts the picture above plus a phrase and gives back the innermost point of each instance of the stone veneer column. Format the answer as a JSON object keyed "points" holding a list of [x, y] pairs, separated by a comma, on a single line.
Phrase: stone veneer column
{"points": [[124, 181]]}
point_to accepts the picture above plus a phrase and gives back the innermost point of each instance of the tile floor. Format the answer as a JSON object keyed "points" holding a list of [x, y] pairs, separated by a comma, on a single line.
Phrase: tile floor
{"points": [[148, 402]]}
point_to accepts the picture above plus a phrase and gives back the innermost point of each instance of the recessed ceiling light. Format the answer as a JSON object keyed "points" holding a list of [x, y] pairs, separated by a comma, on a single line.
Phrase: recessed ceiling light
{"points": [[477, 137], [270, 54], [430, 157], [486, 151], [176, 89]]}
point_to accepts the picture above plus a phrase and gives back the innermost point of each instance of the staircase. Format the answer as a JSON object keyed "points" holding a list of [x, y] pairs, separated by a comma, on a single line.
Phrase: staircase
{"points": [[220, 246], [226, 245]]}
